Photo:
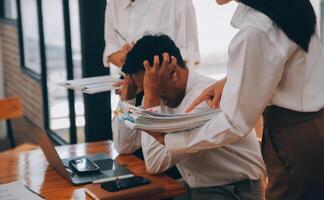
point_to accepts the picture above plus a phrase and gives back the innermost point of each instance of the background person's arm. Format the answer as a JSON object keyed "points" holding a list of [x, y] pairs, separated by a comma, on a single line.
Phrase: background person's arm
{"points": [[118, 58], [112, 52]]}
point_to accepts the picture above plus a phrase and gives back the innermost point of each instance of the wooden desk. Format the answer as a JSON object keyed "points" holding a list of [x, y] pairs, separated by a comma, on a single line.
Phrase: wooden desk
{"points": [[32, 169]]}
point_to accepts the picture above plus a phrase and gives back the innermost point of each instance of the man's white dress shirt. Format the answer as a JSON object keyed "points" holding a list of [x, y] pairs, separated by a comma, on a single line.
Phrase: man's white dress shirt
{"points": [[214, 167], [132, 21], [265, 68]]}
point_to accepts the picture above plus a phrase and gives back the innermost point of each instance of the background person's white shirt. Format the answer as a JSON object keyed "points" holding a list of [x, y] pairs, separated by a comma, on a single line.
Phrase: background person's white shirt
{"points": [[216, 167], [264, 68], [175, 18]]}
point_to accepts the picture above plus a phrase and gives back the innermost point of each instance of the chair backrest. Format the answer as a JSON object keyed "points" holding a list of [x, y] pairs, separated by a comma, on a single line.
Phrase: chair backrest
{"points": [[11, 108]]}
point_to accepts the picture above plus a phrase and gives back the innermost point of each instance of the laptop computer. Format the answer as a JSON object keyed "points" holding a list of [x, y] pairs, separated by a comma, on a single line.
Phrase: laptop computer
{"points": [[108, 167]]}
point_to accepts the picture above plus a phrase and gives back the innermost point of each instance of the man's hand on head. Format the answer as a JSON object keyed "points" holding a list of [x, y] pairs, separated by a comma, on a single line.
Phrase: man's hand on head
{"points": [[128, 89], [155, 79]]}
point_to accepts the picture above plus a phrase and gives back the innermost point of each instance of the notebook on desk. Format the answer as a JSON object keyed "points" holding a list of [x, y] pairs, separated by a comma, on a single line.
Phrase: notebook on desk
{"points": [[108, 167]]}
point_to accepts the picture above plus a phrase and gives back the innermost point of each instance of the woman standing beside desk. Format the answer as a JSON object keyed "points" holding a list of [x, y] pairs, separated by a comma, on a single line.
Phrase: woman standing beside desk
{"points": [[276, 67]]}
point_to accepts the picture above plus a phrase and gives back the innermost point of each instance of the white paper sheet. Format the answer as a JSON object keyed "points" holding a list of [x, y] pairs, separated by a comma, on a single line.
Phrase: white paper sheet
{"points": [[17, 191]]}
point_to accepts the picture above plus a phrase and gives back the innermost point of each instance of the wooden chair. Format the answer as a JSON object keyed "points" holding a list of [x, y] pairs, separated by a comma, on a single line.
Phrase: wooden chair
{"points": [[11, 108]]}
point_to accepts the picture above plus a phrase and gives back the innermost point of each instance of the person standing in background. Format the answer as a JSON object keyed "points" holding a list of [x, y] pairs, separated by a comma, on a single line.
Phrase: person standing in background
{"points": [[129, 20]]}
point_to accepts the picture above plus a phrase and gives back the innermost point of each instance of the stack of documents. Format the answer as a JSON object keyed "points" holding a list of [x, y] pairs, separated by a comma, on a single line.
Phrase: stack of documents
{"points": [[92, 85], [138, 118]]}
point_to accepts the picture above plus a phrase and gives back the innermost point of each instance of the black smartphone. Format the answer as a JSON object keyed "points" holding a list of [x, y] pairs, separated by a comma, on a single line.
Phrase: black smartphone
{"points": [[83, 166], [121, 184]]}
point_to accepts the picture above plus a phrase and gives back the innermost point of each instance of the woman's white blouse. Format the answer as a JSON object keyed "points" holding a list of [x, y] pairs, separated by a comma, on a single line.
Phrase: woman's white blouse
{"points": [[265, 68], [176, 18]]}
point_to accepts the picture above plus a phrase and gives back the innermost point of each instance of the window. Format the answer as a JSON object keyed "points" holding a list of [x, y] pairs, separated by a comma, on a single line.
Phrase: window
{"points": [[56, 67], [60, 112], [77, 67], [214, 34], [10, 9], [30, 54], [63, 111], [51, 52]]}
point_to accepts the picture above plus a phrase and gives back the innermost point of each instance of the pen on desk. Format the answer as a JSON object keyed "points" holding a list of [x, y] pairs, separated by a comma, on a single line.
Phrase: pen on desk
{"points": [[120, 35], [112, 179]]}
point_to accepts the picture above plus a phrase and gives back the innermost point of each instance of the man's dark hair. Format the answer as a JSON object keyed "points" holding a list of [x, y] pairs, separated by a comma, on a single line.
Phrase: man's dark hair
{"points": [[146, 48], [295, 17]]}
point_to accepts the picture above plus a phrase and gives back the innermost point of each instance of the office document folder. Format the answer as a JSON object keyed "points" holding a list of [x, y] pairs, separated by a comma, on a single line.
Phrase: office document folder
{"points": [[92, 85]]}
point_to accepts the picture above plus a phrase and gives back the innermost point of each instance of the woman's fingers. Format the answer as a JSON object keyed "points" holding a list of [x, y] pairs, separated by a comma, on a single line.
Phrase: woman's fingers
{"points": [[216, 99], [215, 102], [211, 95], [218, 92], [196, 102], [209, 102]]}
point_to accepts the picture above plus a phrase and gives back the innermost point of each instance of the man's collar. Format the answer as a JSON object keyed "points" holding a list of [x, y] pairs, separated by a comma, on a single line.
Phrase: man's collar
{"points": [[141, 5]]}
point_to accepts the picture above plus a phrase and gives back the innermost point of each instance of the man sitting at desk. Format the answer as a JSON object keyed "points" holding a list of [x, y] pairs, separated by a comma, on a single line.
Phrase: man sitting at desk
{"points": [[231, 172]]}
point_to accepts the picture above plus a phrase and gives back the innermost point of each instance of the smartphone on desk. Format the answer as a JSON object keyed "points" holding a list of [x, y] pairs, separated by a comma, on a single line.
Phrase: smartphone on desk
{"points": [[121, 184], [83, 166]]}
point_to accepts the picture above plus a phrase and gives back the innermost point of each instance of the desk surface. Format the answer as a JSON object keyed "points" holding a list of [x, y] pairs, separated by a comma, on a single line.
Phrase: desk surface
{"points": [[32, 169]]}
